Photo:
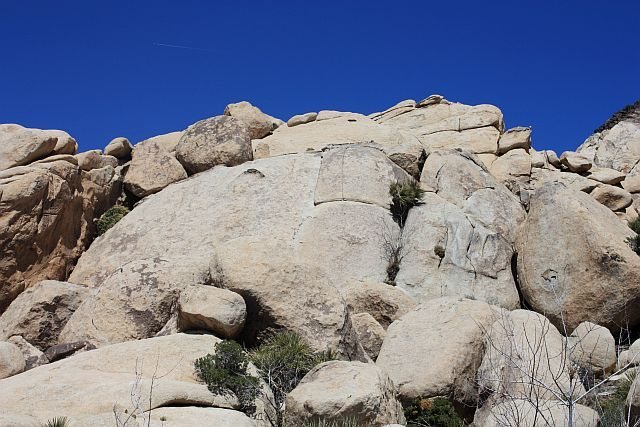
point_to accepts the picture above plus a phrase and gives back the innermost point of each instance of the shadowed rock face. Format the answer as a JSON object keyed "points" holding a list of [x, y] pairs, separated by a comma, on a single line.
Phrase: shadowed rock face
{"points": [[46, 220]]}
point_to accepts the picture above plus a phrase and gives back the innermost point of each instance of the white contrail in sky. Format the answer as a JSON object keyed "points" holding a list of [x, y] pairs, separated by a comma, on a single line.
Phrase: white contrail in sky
{"points": [[177, 46]]}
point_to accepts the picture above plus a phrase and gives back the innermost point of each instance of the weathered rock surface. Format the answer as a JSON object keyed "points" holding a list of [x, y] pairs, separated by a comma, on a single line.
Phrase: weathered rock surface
{"points": [[65, 145], [336, 391], [384, 302], [482, 140], [577, 182], [119, 148], [592, 347], [11, 360], [369, 332], [616, 148], [518, 137], [41, 311], [400, 108], [135, 301], [606, 176], [221, 140], [524, 356], [514, 164], [573, 259], [575, 162], [258, 123], [211, 309], [459, 241], [94, 159], [152, 168], [46, 220], [93, 382], [525, 413], [436, 349], [319, 135], [32, 356], [20, 146], [301, 119], [615, 198]]}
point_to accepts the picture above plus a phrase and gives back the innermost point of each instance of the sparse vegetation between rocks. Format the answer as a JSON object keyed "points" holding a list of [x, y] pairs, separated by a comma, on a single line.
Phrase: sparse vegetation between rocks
{"points": [[404, 196], [110, 218], [438, 411], [344, 423], [58, 422], [634, 242]]}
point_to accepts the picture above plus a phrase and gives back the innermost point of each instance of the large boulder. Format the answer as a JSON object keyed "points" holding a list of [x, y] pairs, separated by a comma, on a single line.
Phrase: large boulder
{"points": [[265, 226], [337, 391], [615, 198], [459, 240], [152, 168], [518, 137], [66, 143], [11, 360], [110, 378], [211, 309], [134, 302], [436, 349], [94, 159], [575, 162], [46, 220], [20, 146], [119, 148], [616, 148], [592, 347], [526, 356], [574, 263], [258, 123], [369, 332], [384, 302], [221, 140], [41, 311]]}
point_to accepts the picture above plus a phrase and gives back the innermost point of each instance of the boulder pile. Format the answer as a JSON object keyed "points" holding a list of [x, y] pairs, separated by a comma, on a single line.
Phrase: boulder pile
{"points": [[432, 255]]}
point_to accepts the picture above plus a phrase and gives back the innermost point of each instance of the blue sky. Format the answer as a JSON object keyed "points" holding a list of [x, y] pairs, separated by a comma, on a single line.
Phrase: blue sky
{"points": [[96, 68]]}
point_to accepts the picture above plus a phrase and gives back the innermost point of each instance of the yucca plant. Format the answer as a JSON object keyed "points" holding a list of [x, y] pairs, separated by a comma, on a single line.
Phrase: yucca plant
{"points": [[404, 196], [58, 422]]}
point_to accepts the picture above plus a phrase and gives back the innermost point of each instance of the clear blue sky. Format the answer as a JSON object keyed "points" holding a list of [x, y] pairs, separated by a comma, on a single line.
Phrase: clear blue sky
{"points": [[95, 69]]}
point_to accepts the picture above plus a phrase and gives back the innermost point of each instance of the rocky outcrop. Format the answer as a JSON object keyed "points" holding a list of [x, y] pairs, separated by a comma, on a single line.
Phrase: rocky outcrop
{"points": [[301, 119], [435, 349], [369, 332], [96, 382], [41, 311], [574, 261], [152, 168], [20, 146], [258, 123], [221, 140], [94, 159], [525, 413], [337, 391], [616, 148], [46, 220], [384, 302], [458, 242]]}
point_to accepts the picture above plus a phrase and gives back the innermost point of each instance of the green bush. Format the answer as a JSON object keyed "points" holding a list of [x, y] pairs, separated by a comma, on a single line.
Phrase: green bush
{"points": [[436, 412], [110, 218], [612, 409], [58, 422], [225, 372], [404, 196], [283, 361], [634, 242]]}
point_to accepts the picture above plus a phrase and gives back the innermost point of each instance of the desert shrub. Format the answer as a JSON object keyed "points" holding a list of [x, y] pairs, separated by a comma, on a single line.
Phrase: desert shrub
{"points": [[58, 422], [225, 372], [283, 361], [634, 242], [110, 218], [349, 422], [404, 196], [612, 410], [436, 412]]}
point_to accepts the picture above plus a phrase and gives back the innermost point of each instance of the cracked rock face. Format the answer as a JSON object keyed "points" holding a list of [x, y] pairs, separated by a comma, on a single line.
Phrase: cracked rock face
{"points": [[459, 242], [573, 258], [273, 225]]}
